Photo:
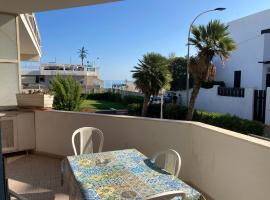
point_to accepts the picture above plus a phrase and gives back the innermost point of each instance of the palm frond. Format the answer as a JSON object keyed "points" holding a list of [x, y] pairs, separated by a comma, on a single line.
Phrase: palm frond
{"points": [[210, 40]]}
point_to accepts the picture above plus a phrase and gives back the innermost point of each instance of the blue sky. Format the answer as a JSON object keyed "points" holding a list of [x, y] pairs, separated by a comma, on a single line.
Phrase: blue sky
{"points": [[120, 33]]}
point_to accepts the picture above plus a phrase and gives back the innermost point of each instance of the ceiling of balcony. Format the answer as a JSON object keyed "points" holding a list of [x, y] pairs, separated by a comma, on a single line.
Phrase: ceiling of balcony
{"points": [[28, 6]]}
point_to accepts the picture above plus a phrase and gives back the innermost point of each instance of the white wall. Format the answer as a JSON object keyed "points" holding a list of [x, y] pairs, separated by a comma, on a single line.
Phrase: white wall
{"points": [[245, 59], [224, 164], [209, 100], [250, 50], [267, 107]]}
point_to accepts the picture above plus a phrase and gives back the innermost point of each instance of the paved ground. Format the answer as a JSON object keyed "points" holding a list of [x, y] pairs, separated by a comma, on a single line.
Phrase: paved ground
{"points": [[36, 177]]}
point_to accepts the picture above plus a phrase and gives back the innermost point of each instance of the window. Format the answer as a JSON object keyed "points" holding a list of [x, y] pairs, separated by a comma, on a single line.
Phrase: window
{"points": [[237, 79], [41, 79]]}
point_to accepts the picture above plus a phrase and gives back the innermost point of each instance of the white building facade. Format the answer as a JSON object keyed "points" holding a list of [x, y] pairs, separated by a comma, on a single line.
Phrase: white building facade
{"points": [[88, 76], [246, 73], [249, 65]]}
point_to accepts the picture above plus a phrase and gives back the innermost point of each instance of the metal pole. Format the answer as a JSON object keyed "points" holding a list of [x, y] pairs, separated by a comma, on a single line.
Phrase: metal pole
{"points": [[188, 54], [161, 106], [3, 181]]}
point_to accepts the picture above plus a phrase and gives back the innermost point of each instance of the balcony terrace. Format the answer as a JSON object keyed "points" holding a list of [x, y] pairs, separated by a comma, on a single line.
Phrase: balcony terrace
{"points": [[221, 164]]}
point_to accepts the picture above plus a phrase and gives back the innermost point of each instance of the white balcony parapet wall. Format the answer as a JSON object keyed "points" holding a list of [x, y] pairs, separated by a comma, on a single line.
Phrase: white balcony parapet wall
{"points": [[223, 164], [209, 100]]}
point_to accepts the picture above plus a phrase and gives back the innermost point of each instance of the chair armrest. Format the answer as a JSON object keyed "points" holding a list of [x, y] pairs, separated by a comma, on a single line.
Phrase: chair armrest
{"points": [[17, 196]]}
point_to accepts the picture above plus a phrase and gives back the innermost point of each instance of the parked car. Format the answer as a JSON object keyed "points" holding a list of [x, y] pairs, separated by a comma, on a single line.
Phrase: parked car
{"points": [[157, 99]]}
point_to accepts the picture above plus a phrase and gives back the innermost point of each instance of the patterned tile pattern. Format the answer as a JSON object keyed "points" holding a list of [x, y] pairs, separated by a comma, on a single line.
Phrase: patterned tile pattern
{"points": [[125, 174]]}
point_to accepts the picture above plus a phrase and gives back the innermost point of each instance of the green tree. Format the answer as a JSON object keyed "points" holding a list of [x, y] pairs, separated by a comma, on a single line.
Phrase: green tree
{"points": [[67, 93], [210, 40], [151, 75], [178, 69], [82, 53]]}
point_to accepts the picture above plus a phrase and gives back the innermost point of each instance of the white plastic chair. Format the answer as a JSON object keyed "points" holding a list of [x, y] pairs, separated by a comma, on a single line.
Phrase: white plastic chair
{"points": [[15, 195], [172, 161], [86, 143]]}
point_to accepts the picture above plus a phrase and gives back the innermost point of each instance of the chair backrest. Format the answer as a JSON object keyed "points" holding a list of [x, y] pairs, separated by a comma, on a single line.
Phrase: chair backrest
{"points": [[172, 161], [86, 143]]}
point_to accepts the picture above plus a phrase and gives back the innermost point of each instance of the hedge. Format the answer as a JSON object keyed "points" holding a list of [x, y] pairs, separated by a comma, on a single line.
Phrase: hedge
{"points": [[114, 97], [230, 122], [106, 96], [225, 121], [130, 99]]}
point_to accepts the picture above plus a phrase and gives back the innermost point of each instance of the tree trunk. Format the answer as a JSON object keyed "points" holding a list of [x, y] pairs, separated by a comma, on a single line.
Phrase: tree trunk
{"points": [[196, 88], [82, 61], [145, 105]]}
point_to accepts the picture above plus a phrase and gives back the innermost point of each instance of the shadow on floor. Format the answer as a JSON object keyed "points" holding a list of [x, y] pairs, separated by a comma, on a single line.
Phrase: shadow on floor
{"points": [[36, 177]]}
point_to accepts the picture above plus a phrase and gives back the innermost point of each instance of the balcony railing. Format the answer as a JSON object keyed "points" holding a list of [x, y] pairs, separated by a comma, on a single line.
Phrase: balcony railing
{"points": [[69, 70], [220, 163], [231, 92], [223, 164]]}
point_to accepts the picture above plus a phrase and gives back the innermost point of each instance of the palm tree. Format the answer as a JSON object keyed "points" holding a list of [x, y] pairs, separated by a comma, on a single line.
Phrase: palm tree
{"points": [[82, 53], [151, 75], [210, 40]]}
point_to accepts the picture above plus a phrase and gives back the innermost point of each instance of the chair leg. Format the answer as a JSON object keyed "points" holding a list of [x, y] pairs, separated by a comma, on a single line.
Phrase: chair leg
{"points": [[183, 196]]}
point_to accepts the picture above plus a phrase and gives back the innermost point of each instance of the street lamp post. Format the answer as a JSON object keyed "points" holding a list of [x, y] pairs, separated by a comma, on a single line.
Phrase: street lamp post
{"points": [[188, 56]]}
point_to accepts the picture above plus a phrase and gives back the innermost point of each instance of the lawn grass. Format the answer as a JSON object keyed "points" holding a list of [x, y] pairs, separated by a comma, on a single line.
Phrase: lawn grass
{"points": [[101, 105]]}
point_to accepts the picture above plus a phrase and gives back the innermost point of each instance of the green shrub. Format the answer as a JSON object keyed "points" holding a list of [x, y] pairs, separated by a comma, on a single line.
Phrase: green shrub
{"points": [[172, 111], [130, 99], [114, 97], [153, 111], [135, 109], [229, 122], [106, 96], [67, 93], [178, 112]]}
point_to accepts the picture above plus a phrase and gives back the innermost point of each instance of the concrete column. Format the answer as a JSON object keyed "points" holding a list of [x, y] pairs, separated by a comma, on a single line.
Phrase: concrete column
{"points": [[10, 83]]}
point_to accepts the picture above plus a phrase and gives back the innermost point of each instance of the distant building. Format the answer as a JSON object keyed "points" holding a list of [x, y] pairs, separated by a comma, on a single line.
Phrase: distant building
{"points": [[88, 76], [130, 86]]}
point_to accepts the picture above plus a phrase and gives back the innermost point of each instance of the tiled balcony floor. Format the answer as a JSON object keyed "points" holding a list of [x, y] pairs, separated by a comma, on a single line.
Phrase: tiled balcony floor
{"points": [[36, 177]]}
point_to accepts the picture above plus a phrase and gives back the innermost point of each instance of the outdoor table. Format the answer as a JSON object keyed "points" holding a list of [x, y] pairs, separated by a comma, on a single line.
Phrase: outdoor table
{"points": [[124, 174]]}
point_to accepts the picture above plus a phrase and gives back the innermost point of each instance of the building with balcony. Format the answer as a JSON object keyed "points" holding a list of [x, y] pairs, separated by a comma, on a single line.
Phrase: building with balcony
{"points": [[88, 76], [222, 164], [20, 41], [246, 73], [249, 65]]}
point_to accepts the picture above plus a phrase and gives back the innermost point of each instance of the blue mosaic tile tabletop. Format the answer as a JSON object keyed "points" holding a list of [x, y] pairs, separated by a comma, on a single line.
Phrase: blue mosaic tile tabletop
{"points": [[124, 174]]}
